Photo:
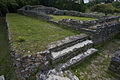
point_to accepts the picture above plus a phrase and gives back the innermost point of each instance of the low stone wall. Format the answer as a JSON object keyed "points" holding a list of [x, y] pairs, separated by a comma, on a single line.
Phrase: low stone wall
{"points": [[100, 30], [29, 12], [105, 32], [115, 63], [51, 10], [77, 24]]}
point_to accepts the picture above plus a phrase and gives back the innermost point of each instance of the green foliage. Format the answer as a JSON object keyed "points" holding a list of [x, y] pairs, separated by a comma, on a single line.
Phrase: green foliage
{"points": [[117, 11], [104, 8], [67, 4], [21, 39], [7, 6], [116, 4]]}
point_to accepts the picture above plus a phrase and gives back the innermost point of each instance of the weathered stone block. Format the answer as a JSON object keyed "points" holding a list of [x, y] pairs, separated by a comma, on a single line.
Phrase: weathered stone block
{"points": [[115, 63]]}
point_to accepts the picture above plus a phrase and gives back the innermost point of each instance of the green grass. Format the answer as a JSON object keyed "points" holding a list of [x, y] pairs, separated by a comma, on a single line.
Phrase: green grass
{"points": [[6, 66], [59, 17], [33, 34]]}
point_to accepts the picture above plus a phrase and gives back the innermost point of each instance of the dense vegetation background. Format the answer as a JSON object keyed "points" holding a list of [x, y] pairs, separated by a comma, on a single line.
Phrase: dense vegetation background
{"points": [[12, 5]]}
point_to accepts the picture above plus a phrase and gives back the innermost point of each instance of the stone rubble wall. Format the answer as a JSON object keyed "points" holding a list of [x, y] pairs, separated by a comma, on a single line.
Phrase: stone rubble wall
{"points": [[92, 24], [100, 30], [36, 10], [28, 12], [105, 33], [115, 63]]}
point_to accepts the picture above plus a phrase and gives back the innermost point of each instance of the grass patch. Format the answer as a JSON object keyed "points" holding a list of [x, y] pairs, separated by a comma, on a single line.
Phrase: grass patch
{"points": [[60, 17], [33, 35]]}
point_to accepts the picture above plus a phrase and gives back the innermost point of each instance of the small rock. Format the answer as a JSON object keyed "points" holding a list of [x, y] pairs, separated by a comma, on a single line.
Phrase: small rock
{"points": [[28, 51], [38, 53], [2, 77], [16, 55], [24, 50], [22, 71], [94, 75], [29, 56], [39, 56], [18, 59]]}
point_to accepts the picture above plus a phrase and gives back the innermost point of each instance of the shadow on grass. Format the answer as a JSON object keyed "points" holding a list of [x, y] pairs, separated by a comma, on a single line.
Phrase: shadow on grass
{"points": [[6, 64]]}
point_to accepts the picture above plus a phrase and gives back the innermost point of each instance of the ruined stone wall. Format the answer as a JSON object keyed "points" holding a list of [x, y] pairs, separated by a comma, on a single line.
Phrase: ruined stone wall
{"points": [[115, 63], [27, 10], [77, 24], [100, 30], [105, 31], [51, 10]]}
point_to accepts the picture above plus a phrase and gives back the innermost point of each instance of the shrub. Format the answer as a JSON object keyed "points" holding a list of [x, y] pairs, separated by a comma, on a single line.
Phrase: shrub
{"points": [[116, 4], [117, 11], [104, 8], [21, 39]]}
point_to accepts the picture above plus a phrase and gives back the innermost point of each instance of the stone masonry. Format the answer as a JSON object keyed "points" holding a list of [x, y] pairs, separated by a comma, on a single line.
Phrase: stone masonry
{"points": [[115, 63]]}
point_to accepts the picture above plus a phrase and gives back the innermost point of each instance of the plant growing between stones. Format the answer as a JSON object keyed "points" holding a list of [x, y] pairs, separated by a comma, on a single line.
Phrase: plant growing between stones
{"points": [[20, 39]]}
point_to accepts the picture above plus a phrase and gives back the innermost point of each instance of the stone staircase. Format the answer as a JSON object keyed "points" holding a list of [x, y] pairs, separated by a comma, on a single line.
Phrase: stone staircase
{"points": [[77, 59], [72, 50]]}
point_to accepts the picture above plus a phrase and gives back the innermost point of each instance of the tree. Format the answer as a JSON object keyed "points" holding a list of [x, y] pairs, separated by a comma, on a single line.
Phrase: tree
{"points": [[116, 4], [109, 1], [104, 8]]}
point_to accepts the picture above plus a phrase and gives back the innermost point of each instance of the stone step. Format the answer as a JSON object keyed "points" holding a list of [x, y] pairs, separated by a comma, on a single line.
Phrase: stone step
{"points": [[77, 59], [66, 42], [71, 51]]}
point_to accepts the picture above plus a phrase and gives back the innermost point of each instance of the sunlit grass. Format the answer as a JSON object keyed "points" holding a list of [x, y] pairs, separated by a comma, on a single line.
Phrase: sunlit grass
{"points": [[33, 34], [60, 17]]}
